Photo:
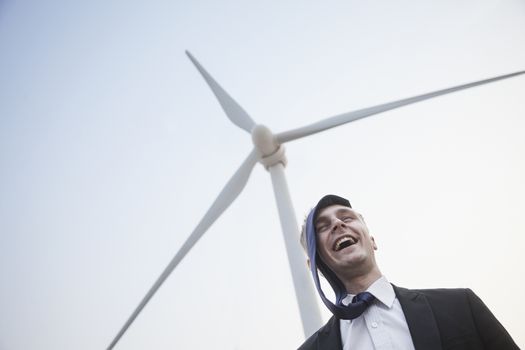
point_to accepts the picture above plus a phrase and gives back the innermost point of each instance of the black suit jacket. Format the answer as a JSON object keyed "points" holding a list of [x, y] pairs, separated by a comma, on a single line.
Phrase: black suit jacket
{"points": [[454, 319]]}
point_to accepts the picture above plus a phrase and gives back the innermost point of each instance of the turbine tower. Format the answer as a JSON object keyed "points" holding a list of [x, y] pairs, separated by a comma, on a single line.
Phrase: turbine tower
{"points": [[269, 150]]}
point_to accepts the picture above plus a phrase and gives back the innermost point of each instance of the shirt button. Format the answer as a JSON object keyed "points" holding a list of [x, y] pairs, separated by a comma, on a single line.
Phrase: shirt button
{"points": [[374, 324]]}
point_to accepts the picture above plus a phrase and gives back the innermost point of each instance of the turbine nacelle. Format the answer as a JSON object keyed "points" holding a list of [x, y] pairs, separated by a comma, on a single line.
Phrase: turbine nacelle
{"points": [[269, 149]]}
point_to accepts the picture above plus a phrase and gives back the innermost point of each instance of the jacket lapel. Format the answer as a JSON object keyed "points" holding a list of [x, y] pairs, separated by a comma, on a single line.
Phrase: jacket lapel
{"points": [[420, 319], [329, 337]]}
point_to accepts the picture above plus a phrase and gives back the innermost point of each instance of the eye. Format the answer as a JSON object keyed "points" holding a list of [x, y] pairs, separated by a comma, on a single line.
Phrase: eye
{"points": [[321, 228], [347, 219]]}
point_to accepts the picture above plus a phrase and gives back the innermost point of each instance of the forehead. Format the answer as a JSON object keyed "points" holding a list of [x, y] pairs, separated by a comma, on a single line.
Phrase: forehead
{"points": [[333, 210]]}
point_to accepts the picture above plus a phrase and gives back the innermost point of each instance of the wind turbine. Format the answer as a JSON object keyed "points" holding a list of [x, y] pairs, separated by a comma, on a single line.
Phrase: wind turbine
{"points": [[269, 150]]}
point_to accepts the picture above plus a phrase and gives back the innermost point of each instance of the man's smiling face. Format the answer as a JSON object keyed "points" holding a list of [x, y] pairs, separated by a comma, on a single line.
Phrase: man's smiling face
{"points": [[343, 241]]}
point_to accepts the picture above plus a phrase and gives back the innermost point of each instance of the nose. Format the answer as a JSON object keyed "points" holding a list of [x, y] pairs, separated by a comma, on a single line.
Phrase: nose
{"points": [[338, 225]]}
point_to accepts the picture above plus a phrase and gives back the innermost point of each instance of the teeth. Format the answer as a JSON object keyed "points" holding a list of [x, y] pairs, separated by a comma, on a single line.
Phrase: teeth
{"points": [[342, 242]]}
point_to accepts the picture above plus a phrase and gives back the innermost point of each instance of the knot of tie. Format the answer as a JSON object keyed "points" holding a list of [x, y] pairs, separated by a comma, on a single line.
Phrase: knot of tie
{"points": [[359, 304], [366, 297]]}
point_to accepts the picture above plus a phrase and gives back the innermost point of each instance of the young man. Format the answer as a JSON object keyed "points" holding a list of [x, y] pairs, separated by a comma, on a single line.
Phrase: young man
{"points": [[371, 313]]}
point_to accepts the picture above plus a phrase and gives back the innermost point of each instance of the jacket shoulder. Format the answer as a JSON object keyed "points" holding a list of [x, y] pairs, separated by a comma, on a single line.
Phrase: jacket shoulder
{"points": [[438, 295], [436, 291], [461, 314], [310, 343], [330, 330]]}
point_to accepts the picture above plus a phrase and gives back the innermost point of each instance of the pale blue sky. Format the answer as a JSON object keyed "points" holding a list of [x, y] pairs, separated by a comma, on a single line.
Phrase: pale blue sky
{"points": [[112, 147]]}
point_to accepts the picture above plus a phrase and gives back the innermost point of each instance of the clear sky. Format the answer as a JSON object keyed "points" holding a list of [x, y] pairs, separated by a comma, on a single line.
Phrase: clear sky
{"points": [[112, 147]]}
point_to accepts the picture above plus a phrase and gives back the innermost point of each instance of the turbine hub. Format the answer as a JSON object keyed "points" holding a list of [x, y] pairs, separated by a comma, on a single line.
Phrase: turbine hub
{"points": [[264, 140], [270, 150]]}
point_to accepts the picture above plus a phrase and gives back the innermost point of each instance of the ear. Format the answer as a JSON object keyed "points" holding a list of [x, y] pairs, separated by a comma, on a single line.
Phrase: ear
{"points": [[308, 263], [374, 245]]}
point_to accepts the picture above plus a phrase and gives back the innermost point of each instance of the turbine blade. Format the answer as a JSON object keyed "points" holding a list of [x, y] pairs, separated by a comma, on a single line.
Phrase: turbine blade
{"points": [[344, 118], [232, 109], [232, 189]]}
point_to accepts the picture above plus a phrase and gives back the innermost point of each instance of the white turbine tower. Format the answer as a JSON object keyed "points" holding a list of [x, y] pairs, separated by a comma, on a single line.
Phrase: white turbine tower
{"points": [[268, 149]]}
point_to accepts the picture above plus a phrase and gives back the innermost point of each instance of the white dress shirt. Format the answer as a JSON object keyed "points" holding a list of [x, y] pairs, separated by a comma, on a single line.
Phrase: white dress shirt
{"points": [[382, 326]]}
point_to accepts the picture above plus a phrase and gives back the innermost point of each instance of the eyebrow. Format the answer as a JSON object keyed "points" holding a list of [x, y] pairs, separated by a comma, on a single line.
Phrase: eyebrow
{"points": [[321, 220]]}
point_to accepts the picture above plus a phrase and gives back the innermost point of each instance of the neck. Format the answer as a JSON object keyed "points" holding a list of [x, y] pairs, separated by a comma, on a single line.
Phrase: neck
{"points": [[360, 283]]}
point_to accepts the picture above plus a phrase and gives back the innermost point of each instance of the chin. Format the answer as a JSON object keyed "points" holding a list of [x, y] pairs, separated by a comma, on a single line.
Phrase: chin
{"points": [[352, 261]]}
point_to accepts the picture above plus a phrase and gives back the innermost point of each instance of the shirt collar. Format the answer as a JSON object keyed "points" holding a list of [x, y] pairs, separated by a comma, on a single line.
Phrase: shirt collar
{"points": [[381, 289]]}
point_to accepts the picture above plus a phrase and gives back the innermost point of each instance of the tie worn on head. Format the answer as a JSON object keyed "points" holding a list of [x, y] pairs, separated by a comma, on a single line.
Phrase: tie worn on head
{"points": [[359, 304]]}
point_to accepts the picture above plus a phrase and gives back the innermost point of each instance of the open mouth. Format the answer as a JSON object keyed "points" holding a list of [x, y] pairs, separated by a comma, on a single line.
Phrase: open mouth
{"points": [[344, 242]]}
